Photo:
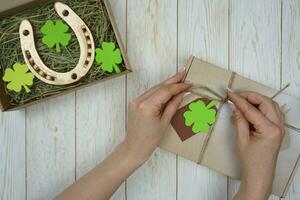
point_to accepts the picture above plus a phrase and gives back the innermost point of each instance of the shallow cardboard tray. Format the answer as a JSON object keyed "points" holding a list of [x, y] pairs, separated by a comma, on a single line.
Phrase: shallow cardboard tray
{"points": [[13, 6]]}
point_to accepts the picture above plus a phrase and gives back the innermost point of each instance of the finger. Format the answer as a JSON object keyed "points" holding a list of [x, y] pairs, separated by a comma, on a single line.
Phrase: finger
{"points": [[242, 126], [284, 111], [281, 117], [148, 93], [280, 114], [265, 105], [263, 109], [171, 108], [165, 93], [174, 79], [271, 109], [251, 114]]}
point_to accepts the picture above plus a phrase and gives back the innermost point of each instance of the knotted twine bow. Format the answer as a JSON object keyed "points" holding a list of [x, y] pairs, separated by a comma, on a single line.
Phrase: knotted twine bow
{"points": [[222, 101]]}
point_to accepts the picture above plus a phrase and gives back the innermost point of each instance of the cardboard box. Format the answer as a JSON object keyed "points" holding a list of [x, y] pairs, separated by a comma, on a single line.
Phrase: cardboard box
{"points": [[12, 7], [216, 149]]}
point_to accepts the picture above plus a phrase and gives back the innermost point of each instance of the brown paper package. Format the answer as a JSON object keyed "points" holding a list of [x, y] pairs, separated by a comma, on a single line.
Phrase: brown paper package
{"points": [[217, 149]]}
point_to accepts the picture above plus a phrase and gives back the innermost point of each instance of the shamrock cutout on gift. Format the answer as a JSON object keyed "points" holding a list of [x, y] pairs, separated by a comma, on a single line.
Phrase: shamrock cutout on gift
{"points": [[200, 116], [18, 77], [56, 33], [109, 57]]}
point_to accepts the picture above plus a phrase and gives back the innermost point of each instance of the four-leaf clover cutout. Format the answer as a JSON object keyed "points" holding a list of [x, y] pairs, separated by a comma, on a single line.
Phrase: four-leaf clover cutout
{"points": [[56, 33], [200, 116], [109, 57], [18, 77]]}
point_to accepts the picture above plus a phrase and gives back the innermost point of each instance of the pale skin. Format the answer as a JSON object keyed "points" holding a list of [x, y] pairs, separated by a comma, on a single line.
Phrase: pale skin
{"points": [[260, 131]]}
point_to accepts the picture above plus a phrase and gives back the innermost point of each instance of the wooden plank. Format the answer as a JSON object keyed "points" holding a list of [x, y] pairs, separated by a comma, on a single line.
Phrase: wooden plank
{"points": [[255, 45], [100, 114], [12, 155], [291, 64], [203, 32], [100, 122], [119, 9], [50, 147], [152, 42]]}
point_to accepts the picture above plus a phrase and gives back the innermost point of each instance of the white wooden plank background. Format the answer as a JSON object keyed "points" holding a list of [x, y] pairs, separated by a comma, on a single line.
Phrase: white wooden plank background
{"points": [[203, 32], [100, 115], [12, 156], [291, 64], [46, 147], [255, 43], [151, 45], [50, 145]]}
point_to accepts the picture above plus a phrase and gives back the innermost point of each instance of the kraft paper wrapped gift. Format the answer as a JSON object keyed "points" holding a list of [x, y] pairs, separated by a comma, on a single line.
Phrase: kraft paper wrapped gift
{"points": [[216, 149]]}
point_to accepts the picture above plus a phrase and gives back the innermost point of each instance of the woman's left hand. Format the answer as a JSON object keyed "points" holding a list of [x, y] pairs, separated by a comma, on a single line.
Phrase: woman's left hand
{"points": [[150, 115]]}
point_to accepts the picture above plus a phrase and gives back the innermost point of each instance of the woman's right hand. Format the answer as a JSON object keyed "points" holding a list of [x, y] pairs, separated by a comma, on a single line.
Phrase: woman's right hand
{"points": [[260, 131]]}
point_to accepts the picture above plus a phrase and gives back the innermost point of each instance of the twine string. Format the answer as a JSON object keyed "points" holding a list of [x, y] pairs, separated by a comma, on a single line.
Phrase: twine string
{"points": [[274, 96], [208, 136], [280, 91], [222, 101], [202, 87]]}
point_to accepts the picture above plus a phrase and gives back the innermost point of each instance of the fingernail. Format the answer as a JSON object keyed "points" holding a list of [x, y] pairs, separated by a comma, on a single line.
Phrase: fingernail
{"points": [[229, 90], [231, 105], [188, 82], [186, 94], [182, 70]]}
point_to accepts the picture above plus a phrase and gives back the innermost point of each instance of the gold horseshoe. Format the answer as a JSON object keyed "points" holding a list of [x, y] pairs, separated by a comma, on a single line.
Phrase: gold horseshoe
{"points": [[86, 43]]}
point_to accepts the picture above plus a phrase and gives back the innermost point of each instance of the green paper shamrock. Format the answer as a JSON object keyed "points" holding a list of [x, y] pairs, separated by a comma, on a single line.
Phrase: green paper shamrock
{"points": [[18, 77], [200, 117], [55, 34], [109, 57]]}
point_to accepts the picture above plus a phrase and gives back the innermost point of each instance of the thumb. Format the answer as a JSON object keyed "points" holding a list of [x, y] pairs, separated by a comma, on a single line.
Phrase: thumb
{"points": [[242, 127], [172, 107]]}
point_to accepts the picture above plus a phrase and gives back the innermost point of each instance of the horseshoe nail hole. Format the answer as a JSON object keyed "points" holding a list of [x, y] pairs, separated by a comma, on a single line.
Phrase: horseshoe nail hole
{"points": [[65, 13], [50, 78], [89, 46], [84, 29], [74, 76], [86, 62], [28, 55], [88, 37], [42, 73], [26, 32], [89, 54]]}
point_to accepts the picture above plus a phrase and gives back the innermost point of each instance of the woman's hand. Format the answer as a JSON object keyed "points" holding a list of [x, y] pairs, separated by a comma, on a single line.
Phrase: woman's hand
{"points": [[260, 131], [150, 115]]}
